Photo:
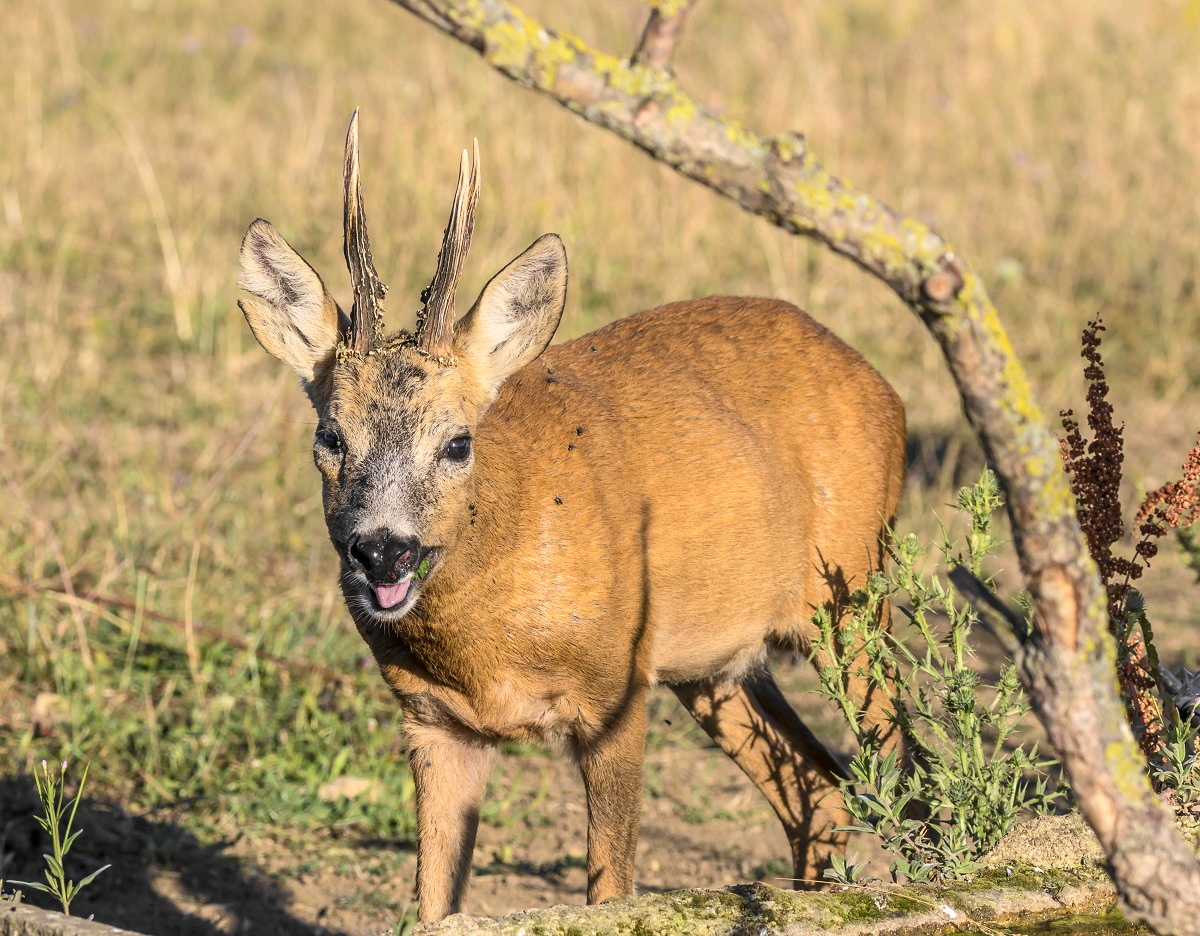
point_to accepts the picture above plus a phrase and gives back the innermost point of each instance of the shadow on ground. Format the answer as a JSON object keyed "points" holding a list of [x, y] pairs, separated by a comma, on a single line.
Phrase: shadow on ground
{"points": [[237, 898]]}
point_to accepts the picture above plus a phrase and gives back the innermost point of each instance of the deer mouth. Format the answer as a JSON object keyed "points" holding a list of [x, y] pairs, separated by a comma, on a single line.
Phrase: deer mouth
{"points": [[392, 594]]}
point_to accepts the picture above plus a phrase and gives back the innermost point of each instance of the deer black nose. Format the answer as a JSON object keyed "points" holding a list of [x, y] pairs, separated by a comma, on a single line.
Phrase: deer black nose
{"points": [[385, 558]]}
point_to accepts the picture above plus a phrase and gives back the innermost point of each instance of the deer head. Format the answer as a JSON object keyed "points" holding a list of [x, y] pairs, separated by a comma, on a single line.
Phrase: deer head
{"points": [[397, 414]]}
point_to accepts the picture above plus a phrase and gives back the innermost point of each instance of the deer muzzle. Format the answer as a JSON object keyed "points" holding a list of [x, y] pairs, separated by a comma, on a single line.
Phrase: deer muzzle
{"points": [[390, 564]]}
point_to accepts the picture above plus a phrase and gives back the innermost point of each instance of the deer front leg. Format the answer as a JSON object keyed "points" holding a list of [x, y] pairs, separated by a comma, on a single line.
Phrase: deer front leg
{"points": [[450, 772], [611, 764]]}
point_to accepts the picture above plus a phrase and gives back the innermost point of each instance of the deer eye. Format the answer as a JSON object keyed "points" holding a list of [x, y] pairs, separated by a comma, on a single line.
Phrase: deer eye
{"points": [[457, 449], [330, 439]]}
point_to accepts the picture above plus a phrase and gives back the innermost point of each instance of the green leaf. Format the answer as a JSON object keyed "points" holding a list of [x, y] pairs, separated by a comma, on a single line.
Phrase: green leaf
{"points": [[91, 877], [35, 885]]}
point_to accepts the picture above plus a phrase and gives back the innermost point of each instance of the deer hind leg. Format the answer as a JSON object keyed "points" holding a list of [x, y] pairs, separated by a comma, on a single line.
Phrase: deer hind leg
{"points": [[752, 722], [871, 697]]}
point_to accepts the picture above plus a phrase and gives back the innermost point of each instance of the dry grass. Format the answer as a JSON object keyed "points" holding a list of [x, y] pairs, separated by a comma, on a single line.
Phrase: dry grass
{"points": [[150, 450]]}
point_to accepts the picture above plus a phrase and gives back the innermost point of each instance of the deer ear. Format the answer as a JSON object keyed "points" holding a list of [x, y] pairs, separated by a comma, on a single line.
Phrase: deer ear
{"points": [[515, 316], [292, 315]]}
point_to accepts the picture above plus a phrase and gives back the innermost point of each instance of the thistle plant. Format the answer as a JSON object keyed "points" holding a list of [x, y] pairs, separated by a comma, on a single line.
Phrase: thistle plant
{"points": [[967, 780], [57, 822]]}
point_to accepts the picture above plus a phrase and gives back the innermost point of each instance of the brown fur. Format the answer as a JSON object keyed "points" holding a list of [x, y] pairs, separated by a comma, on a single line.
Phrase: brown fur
{"points": [[656, 502]]}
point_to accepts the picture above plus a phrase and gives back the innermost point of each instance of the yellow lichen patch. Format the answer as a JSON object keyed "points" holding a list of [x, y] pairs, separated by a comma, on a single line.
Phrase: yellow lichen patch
{"points": [[513, 43], [1056, 498], [636, 81], [819, 176], [1029, 429], [739, 135], [816, 202], [549, 57], [921, 236], [884, 247], [506, 46], [802, 223], [1018, 395], [846, 202], [682, 109], [604, 63], [1128, 770], [790, 145], [1096, 640]]}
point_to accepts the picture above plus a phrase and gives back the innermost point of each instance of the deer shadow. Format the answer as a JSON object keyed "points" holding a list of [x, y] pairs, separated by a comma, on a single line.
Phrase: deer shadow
{"points": [[140, 848]]}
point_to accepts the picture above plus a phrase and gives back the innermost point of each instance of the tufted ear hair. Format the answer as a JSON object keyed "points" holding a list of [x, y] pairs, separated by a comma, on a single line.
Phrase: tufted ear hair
{"points": [[292, 314], [516, 315]]}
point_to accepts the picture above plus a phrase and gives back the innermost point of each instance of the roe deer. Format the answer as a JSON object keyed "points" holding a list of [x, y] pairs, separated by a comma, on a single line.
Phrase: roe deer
{"points": [[530, 537]]}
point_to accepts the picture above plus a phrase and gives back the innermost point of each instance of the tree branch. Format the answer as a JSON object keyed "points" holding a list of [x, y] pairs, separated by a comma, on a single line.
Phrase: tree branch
{"points": [[996, 617], [1071, 679], [663, 28]]}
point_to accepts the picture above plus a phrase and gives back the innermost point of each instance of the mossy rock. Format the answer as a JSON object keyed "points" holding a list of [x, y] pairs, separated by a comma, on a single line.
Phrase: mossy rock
{"points": [[1046, 869], [1055, 843], [1064, 843], [762, 910]]}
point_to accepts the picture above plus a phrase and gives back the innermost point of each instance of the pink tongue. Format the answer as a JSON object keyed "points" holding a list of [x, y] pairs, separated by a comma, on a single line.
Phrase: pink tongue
{"points": [[391, 595]]}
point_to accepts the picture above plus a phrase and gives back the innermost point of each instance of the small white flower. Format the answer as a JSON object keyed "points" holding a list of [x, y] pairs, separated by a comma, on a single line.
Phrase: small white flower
{"points": [[949, 911]]}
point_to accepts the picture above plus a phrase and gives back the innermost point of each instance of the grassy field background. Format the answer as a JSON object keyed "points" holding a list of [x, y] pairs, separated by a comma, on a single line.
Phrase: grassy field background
{"points": [[152, 454]]}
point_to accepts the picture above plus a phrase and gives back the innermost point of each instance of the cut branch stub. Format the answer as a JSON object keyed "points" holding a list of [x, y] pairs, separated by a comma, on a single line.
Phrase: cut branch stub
{"points": [[435, 326], [661, 34], [366, 315], [942, 287]]}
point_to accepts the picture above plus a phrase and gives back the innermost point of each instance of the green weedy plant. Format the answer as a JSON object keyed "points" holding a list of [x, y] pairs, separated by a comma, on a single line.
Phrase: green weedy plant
{"points": [[968, 782], [50, 791], [845, 871], [1177, 768]]}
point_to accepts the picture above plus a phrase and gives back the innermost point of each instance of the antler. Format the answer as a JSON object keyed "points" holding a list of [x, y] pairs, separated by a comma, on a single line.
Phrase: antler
{"points": [[366, 315], [436, 320]]}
